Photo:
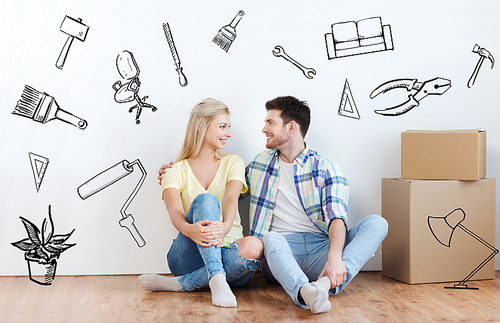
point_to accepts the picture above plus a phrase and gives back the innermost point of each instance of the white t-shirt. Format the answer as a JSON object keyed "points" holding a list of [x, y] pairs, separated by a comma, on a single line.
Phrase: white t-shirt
{"points": [[289, 216]]}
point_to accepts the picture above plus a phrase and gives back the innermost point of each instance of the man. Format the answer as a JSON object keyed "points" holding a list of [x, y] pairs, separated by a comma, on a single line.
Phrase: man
{"points": [[298, 207]]}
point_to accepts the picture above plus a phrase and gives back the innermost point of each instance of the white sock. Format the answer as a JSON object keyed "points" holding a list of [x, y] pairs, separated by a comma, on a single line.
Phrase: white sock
{"points": [[316, 298], [157, 283], [221, 292], [323, 282]]}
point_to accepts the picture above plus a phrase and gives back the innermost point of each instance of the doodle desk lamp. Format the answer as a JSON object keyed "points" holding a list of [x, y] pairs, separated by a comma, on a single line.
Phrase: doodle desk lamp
{"points": [[128, 92], [443, 228], [108, 178]]}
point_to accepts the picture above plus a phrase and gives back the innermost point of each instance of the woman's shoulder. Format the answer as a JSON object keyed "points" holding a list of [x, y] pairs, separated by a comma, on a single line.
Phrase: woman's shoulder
{"points": [[178, 167], [231, 159]]}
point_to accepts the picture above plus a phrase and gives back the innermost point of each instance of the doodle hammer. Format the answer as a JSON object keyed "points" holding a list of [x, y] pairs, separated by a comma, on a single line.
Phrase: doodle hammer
{"points": [[74, 28], [483, 53]]}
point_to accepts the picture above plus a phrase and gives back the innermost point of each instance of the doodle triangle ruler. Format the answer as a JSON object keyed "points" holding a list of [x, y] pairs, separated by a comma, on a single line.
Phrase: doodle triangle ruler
{"points": [[38, 166], [347, 106]]}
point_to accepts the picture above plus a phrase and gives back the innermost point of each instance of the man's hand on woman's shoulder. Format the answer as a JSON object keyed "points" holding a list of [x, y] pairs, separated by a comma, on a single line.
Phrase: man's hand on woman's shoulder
{"points": [[162, 170]]}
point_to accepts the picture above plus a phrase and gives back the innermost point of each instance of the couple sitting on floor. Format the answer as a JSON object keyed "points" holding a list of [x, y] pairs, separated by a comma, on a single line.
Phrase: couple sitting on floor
{"points": [[298, 212]]}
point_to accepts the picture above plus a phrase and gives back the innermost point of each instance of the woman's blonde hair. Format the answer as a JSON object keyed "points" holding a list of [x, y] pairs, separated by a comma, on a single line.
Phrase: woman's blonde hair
{"points": [[202, 115]]}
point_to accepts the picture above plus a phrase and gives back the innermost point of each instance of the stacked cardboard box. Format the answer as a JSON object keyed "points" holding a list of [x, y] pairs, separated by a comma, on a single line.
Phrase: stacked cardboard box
{"points": [[439, 209]]}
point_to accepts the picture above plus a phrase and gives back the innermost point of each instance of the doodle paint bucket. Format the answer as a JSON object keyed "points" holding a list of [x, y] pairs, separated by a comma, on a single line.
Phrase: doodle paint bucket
{"points": [[41, 271]]}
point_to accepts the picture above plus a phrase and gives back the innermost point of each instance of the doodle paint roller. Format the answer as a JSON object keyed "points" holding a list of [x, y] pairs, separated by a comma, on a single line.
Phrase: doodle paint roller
{"points": [[227, 34], [43, 108], [108, 178]]}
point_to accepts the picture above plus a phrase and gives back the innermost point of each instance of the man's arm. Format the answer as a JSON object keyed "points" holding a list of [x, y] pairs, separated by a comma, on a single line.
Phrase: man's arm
{"points": [[335, 267]]}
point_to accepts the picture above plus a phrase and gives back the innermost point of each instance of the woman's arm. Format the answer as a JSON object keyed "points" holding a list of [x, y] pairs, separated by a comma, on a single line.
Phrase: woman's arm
{"points": [[229, 207], [199, 232]]}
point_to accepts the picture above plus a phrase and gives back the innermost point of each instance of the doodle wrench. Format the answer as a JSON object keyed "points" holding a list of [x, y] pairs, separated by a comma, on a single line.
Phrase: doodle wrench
{"points": [[278, 51]]}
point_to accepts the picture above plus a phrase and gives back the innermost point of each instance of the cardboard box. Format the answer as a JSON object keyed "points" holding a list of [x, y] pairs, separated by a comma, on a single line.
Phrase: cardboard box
{"points": [[412, 251], [455, 154]]}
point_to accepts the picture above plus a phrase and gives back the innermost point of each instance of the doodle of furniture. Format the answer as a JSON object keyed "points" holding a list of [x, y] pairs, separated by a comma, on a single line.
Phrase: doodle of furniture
{"points": [[128, 92], [358, 37]]}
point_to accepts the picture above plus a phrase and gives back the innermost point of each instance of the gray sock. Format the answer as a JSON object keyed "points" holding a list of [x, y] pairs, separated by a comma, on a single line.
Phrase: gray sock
{"points": [[221, 292], [323, 282], [316, 298], [157, 283]]}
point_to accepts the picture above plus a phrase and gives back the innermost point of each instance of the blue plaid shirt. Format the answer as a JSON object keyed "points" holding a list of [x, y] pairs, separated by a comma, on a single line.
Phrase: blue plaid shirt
{"points": [[321, 187]]}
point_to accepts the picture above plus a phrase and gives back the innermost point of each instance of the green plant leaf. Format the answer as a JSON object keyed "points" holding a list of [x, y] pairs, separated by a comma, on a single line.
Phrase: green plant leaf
{"points": [[58, 248], [32, 230], [25, 244]]}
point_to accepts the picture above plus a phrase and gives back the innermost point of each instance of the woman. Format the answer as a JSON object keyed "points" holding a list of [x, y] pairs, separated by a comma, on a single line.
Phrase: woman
{"points": [[201, 194]]}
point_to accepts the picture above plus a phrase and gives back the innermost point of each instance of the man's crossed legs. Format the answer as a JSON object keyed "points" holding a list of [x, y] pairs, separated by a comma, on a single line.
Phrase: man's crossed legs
{"points": [[295, 260]]}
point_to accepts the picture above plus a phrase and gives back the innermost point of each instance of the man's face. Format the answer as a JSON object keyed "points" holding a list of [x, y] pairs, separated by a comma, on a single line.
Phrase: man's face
{"points": [[276, 133]]}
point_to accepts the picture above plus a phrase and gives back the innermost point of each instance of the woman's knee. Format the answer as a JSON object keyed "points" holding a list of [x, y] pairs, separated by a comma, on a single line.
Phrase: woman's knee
{"points": [[204, 207], [206, 199], [250, 247]]}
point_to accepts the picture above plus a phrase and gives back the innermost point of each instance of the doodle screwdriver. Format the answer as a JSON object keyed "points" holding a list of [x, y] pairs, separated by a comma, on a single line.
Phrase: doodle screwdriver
{"points": [[168, 34]]}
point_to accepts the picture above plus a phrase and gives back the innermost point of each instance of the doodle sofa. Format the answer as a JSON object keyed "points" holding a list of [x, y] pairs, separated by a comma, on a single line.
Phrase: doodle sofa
{"points": [[355, 38]]}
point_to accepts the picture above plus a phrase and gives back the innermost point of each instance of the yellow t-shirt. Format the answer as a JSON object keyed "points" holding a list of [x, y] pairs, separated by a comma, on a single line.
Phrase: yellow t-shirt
{"points": [[181, 177]]}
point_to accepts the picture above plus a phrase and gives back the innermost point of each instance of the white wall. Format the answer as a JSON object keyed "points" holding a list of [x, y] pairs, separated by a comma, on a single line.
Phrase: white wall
{"points": [[431, 39]]}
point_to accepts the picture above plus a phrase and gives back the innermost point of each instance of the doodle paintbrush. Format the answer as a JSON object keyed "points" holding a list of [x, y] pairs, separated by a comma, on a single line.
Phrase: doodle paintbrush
{"points": [[227, 34], [43, 108]]}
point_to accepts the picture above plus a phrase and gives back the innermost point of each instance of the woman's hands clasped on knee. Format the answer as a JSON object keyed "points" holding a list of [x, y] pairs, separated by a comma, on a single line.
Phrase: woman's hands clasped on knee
{"points": [[220, 230], [204, 233]]}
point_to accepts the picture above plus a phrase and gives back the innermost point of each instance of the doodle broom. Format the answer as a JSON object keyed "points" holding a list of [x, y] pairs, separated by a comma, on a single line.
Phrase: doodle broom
{"points": [[43, 108], [108, 178]]}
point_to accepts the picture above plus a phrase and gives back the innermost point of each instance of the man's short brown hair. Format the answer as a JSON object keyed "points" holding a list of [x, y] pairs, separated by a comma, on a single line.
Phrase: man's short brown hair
{"points": [[292, 109]]}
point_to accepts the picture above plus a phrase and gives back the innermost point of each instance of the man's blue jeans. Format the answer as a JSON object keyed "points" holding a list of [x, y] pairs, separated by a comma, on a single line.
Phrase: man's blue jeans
{"points": [[196, 264], [294, 260]]}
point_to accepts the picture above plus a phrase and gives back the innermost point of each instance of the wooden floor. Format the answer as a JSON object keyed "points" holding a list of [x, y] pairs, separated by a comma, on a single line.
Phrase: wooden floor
{"points": [[369, 298]]}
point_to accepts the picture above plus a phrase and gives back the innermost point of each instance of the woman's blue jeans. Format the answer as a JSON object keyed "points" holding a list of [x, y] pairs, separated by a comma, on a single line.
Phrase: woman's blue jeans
{"points": [[196, 264], [295, 259]]}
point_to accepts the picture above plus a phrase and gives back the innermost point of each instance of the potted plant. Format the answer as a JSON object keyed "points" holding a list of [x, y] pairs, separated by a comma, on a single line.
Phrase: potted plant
{"points": [[42, 249]]}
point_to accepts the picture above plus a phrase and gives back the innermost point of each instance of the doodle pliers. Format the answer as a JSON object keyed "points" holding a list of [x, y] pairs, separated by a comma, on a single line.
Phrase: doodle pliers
{"points": [[436, 86]]}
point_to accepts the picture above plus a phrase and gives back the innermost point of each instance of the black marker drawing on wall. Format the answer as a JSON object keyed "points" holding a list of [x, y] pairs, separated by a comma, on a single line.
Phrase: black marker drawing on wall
{"points": [[39, 167], [435, 86], [175, 55], [107, 178], [347, 107], [129, 91], [227, 34], [41, 107], [483, 54], [351, 38], [278, 51], [443, 227], [74, 28], [42, 249]]}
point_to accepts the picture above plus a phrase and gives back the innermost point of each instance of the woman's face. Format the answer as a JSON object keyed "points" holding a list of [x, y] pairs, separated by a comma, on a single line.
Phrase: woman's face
{"points": [[218, 132]]}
